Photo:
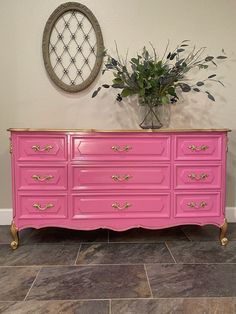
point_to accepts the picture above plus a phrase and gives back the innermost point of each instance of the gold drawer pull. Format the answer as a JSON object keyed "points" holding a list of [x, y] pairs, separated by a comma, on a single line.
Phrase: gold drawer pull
{"points": [[125, 148], [116, 205], [195, 148], [41, 179], [198, 177], [119, 178], [37, 148], [195, 205], [39, 207]]}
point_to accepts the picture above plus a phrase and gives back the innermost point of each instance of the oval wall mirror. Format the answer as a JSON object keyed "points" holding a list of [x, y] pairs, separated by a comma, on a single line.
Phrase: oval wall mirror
{"points": [[72, 47]]}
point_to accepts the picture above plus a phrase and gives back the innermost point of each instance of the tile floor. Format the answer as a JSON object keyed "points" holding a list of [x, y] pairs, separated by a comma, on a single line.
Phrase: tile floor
{"points": [[177, 270]]}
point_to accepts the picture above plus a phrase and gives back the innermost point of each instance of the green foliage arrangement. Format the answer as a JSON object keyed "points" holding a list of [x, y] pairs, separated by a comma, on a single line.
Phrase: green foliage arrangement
{"points": [[157, 80]]}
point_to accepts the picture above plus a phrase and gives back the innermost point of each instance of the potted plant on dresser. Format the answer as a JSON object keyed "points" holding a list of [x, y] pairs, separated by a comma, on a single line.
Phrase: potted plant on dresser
{"points": [[156, 81]]}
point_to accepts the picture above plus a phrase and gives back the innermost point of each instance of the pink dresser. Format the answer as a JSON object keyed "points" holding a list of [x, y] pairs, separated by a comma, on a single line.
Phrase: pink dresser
{"points": [[118, 179]]}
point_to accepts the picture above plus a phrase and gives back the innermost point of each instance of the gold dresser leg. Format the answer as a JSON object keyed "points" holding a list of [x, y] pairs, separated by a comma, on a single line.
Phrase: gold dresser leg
{"points": [[15, 236], [223, 229]]}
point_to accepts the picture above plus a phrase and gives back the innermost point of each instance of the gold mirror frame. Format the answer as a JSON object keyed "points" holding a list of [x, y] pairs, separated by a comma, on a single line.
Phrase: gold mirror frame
{"points": [[54, 17]]}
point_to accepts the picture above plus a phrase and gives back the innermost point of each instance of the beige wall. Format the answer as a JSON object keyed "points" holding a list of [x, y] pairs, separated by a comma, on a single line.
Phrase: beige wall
{"points": [[29, 99]]}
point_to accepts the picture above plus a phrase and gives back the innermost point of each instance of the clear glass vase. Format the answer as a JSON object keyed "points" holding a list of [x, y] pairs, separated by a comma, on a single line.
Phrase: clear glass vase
{"points": [[154, 115]]}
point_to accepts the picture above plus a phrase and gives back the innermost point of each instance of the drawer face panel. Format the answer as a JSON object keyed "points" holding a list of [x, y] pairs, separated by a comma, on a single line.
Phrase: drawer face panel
{"points": [[116, 206], [200, 147], [197, 177], [39, 206], [197, 204], [50, 148], [41, 177], [120, 177], [121, 148]]}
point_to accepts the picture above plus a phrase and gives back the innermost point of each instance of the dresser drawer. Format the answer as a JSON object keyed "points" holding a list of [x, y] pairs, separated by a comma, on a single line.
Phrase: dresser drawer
{"points": [[37, 177], [39, 147], [198, 177], [197, 204], [121, 148], [198, 147], [117, 206], [110, 177], [41, 206]]}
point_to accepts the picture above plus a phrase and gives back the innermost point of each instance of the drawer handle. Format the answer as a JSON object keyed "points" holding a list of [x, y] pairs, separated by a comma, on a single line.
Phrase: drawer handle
{"points": [[195, 205], [119, 178], [37, 148], [41, 179], [195, 148], [116, 205], [39, 207], [198, 177], [125, 148]]}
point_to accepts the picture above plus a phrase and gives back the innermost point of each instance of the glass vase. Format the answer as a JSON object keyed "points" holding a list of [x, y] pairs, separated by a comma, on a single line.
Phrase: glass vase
{"points": [[154, 115]]}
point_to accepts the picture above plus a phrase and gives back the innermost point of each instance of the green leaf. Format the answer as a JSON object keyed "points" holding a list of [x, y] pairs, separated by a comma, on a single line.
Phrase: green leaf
{"points": [[117, 85], [180, 50], [221, 57], [196, 89], [173, 55], [96, 92], [134, 60], [105, 85], [164, 100], [210, 96], [127, 92], [211, 76], [209, 58], [185, 87], [200, 83], [184, 45]]}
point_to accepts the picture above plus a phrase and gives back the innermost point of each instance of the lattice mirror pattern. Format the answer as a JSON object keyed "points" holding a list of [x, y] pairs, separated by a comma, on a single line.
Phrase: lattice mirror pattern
{"points": [[72, 47]]}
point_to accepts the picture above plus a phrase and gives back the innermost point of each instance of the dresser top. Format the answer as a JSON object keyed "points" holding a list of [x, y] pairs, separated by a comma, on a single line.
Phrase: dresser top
{"points": [[109, 131]]}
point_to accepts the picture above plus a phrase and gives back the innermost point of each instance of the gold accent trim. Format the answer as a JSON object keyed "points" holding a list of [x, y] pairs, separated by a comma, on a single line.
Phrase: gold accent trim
{"points": [[39, 207], [37, 148], [10, 146], [119, 178], [198, 177], [223, 229], [41, 178], [117, 148], [15, 236], [118, 130], [194, 204], [116, 205], [195, 148]]}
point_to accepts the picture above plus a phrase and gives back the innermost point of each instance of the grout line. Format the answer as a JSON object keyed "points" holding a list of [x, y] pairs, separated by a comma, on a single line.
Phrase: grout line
{"points": [[110, 306], [148, 281], [186, 235], [77, 254], [32, 284], [170, 252]]}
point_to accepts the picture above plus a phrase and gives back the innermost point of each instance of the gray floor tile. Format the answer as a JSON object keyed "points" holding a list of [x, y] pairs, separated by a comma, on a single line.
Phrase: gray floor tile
{"points": [[140, 235], [45, 254], [175, 306], [55, 307], [90, 282], [124, 253], [5, 235], [192, 280], [208, 233], [15, 282], [203, 252], [61, 235]]}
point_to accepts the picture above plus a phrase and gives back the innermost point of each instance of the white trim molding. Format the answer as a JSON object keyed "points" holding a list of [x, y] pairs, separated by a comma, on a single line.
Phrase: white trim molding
{"points": [[6, 215]]}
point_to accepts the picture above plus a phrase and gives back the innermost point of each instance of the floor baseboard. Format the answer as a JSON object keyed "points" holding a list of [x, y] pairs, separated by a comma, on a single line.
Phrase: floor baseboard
{"points": [[6, 215]]}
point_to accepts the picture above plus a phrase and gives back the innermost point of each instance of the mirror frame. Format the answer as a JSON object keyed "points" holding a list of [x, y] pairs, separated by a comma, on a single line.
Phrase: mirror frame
{"points": [[57, 13]]}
